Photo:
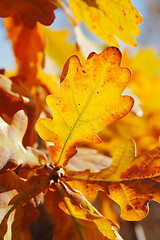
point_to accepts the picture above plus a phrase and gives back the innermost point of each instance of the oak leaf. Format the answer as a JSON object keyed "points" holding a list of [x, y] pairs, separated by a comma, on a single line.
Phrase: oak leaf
{"points": [[19, 200], [108, 19], [12, 151], [130, 181], [30, 11], [89, 99]]}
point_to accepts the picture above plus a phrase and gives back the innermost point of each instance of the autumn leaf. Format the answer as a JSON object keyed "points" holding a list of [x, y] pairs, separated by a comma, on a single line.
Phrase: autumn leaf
{"points": [[130, 181], [29, 11], [108, 19], [19, 200], [80, 220], [12, 152], [28, 46], [90, 99]]}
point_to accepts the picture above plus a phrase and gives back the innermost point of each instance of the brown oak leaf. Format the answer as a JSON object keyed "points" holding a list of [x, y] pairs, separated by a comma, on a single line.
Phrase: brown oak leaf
{"points": [[30, 11]]}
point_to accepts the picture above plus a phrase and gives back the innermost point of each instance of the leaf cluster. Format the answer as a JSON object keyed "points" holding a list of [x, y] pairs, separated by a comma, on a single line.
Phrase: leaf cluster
{"points": [[46, 150]]}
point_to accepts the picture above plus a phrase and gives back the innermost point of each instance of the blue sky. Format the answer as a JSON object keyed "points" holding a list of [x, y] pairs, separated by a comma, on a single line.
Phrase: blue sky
{"points": [[7, 58]]}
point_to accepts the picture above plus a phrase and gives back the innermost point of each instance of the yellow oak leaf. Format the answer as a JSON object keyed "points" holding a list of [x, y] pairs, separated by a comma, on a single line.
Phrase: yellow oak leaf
{"points": [[130, 181], [29, 11], [109, 18], [89, 99]]}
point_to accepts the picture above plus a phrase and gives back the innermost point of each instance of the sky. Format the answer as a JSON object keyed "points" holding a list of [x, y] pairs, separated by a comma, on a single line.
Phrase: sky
{"points": [[150, 30]]}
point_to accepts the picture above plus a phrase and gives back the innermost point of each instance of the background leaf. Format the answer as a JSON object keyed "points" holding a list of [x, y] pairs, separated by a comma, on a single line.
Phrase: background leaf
{"points": [[109, 18], [29, 11]]}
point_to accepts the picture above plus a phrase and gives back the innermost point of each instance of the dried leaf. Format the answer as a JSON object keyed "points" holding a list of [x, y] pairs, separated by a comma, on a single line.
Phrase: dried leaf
{"points": [[12, 152], [18, 202], [29, 11], [108, 19], [130, 181], [90, 99]]}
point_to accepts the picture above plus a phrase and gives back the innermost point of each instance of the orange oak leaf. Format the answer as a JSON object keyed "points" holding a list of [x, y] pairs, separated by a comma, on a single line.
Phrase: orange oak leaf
{"points": [[109, 18], [28, 46], [19, 200], [89, 99], [12, 151], [130, 181], [80, 220], [30, 11]]}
